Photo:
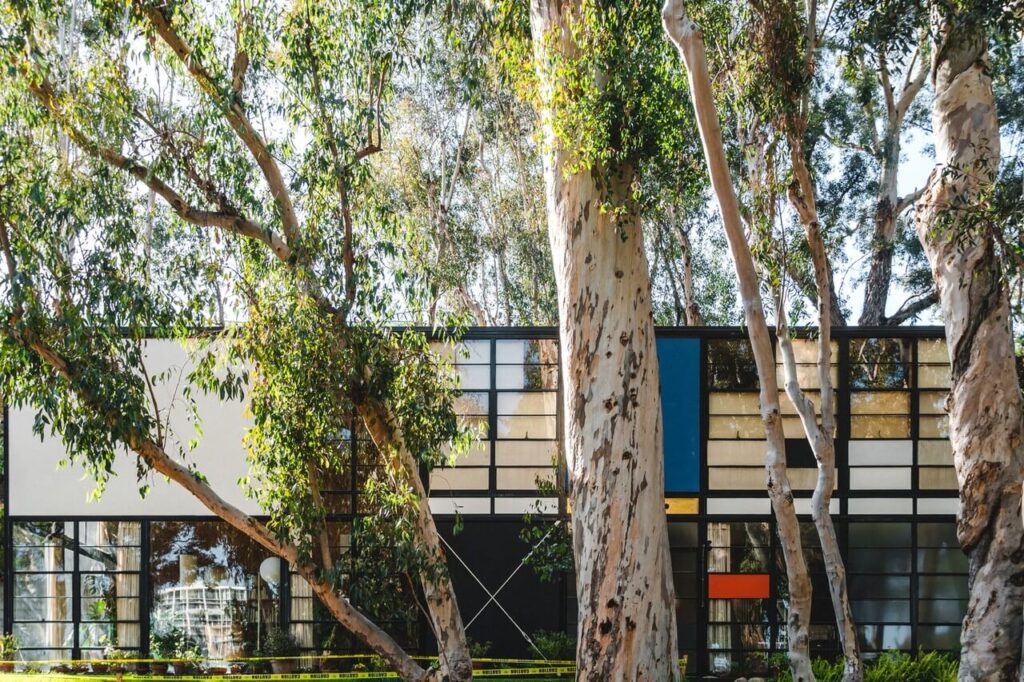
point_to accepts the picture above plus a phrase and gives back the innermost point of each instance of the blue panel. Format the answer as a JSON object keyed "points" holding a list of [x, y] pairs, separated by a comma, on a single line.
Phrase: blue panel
{"points": [[679, 360]]}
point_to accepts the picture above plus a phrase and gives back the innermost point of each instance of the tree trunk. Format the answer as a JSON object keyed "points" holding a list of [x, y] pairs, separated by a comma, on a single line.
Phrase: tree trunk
{"points": [[611, 404], [820, 437], [984, 404], [876, 287], [693, 316], [686, 36], [442, 608]]}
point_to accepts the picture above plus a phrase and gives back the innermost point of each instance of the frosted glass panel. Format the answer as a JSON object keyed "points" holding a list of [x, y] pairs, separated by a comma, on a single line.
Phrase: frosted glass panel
{"points": [[932, 350], [745, 403], [527, 427], [876, 426], [743, 453], [523, 479], [459, 478], [934, 452], [514, 452], [515, 403], [880, 478], [937, 478], [879, 402]]}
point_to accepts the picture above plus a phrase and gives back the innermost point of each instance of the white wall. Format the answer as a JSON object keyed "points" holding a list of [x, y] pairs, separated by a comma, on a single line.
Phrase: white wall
{"points": [[38, 487]]}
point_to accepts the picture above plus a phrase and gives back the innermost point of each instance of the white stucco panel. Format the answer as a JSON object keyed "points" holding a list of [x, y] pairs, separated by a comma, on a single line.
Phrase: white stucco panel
{"points": [[39, 487]]}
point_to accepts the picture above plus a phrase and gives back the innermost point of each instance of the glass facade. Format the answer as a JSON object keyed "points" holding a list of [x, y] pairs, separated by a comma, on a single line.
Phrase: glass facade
{"points": [[77, 585]]}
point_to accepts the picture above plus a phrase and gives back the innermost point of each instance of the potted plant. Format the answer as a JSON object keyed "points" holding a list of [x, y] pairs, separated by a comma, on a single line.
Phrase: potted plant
{"points": [[8, 650], [281, 647], [162, 646], [116, 658], [187, 655]]}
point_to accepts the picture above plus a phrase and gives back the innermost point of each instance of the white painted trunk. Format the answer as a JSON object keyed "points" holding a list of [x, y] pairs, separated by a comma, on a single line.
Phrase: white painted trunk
{"points": [[686, 36], [611, 405], [984, 405], [442, 607]]}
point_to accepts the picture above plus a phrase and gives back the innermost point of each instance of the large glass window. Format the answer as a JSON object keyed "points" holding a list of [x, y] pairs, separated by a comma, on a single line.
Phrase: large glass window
{"points": [[682, 537], [213, 583], [941, 586], [91, 568], [879, 563]]}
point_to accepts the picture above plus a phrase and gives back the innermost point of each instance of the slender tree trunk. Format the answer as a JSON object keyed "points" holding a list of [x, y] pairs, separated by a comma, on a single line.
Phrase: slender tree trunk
{"points": [[821, 437], [984, 404], [693, 316], [442, 608], [611, 405], [686, 36]]}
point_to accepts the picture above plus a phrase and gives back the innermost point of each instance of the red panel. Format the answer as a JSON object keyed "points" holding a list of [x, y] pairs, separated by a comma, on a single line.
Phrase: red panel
{"points": [[738, 586]]}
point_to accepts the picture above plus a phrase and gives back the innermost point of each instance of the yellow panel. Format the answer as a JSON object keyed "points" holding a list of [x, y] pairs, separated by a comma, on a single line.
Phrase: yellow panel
{"points": [[734, 403], [934, 427], [932, 350], [805, 351], [875, 426], [879, 402], [802, 478], [681, 505], [735, 427], [933, 376], [806, 375], [933, 402], [937, 478], [935, 452]]}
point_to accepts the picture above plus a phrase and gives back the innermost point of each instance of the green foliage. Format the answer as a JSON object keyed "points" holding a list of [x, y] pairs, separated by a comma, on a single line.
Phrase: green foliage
{"points": [[891, 667], [280, 642], [8, 647], [555, 646]]}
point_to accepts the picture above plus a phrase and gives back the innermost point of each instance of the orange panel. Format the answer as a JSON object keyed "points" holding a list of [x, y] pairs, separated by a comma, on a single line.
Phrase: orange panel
{"points": [[738, 586]]}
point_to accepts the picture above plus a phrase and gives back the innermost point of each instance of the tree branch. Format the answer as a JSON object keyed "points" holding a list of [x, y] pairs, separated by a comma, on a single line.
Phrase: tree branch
{"points": [[912, 307], [234, 114]]}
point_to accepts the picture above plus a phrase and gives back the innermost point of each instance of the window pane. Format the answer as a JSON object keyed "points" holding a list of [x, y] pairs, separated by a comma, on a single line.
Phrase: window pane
{"points": [[731, 365]]}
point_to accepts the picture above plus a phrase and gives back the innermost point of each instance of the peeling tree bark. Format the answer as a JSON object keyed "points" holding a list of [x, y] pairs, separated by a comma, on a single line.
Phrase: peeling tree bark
{"points": [[686, 36], [984, 404], [611, 405]]}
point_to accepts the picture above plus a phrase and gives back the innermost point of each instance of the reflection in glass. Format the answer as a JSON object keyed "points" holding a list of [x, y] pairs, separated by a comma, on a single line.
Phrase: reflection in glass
{"points": [[206, 581]]}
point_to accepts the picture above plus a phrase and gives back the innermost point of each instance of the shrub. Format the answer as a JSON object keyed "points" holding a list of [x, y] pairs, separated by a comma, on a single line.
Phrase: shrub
{"points": [[555, 646], [8, 647], [280, 642], [891, 666]]}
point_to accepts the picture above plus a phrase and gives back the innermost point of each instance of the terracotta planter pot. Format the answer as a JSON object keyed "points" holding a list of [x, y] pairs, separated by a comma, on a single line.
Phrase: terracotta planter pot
{"points": [[158, 667], [282, 667], [100, 668], [330, 665], [6, 666]]}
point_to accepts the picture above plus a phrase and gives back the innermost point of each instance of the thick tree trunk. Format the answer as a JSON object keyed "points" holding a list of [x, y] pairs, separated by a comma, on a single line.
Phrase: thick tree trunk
{"points": [[442, 608], [984, 405], [611, 404], [686, 36]]}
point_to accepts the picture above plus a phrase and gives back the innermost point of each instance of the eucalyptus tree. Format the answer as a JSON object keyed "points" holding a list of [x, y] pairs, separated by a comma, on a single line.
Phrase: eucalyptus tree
{"points": [[600, 89], [775, 69], [871, 101], [964, 241], [266, 143]]}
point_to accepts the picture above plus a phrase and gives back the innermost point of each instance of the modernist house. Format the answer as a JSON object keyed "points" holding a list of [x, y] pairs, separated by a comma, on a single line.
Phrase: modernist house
{"points": [[81, 573]]}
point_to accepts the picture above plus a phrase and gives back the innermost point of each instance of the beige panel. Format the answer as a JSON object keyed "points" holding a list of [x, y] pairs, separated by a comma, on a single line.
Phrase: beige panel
{"points": [[479, 454], [937, 478], [933, 402], [880, 478], [525, 453], [933, 376], [736, 478], [803, 478], [792, 427], [460, 505], [733, 402], [879, 402], [814, 396], [517, 403], [880, 505], [739, 505], [932, 350], [735, 427], [525, 505], [803, 506], [881, 452], [539, 427], [938, 505], [459, 478], [805, 351], [478, 423], [523, 478], [874, 426], [934, 427], [736, 452], [935, 452]]}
